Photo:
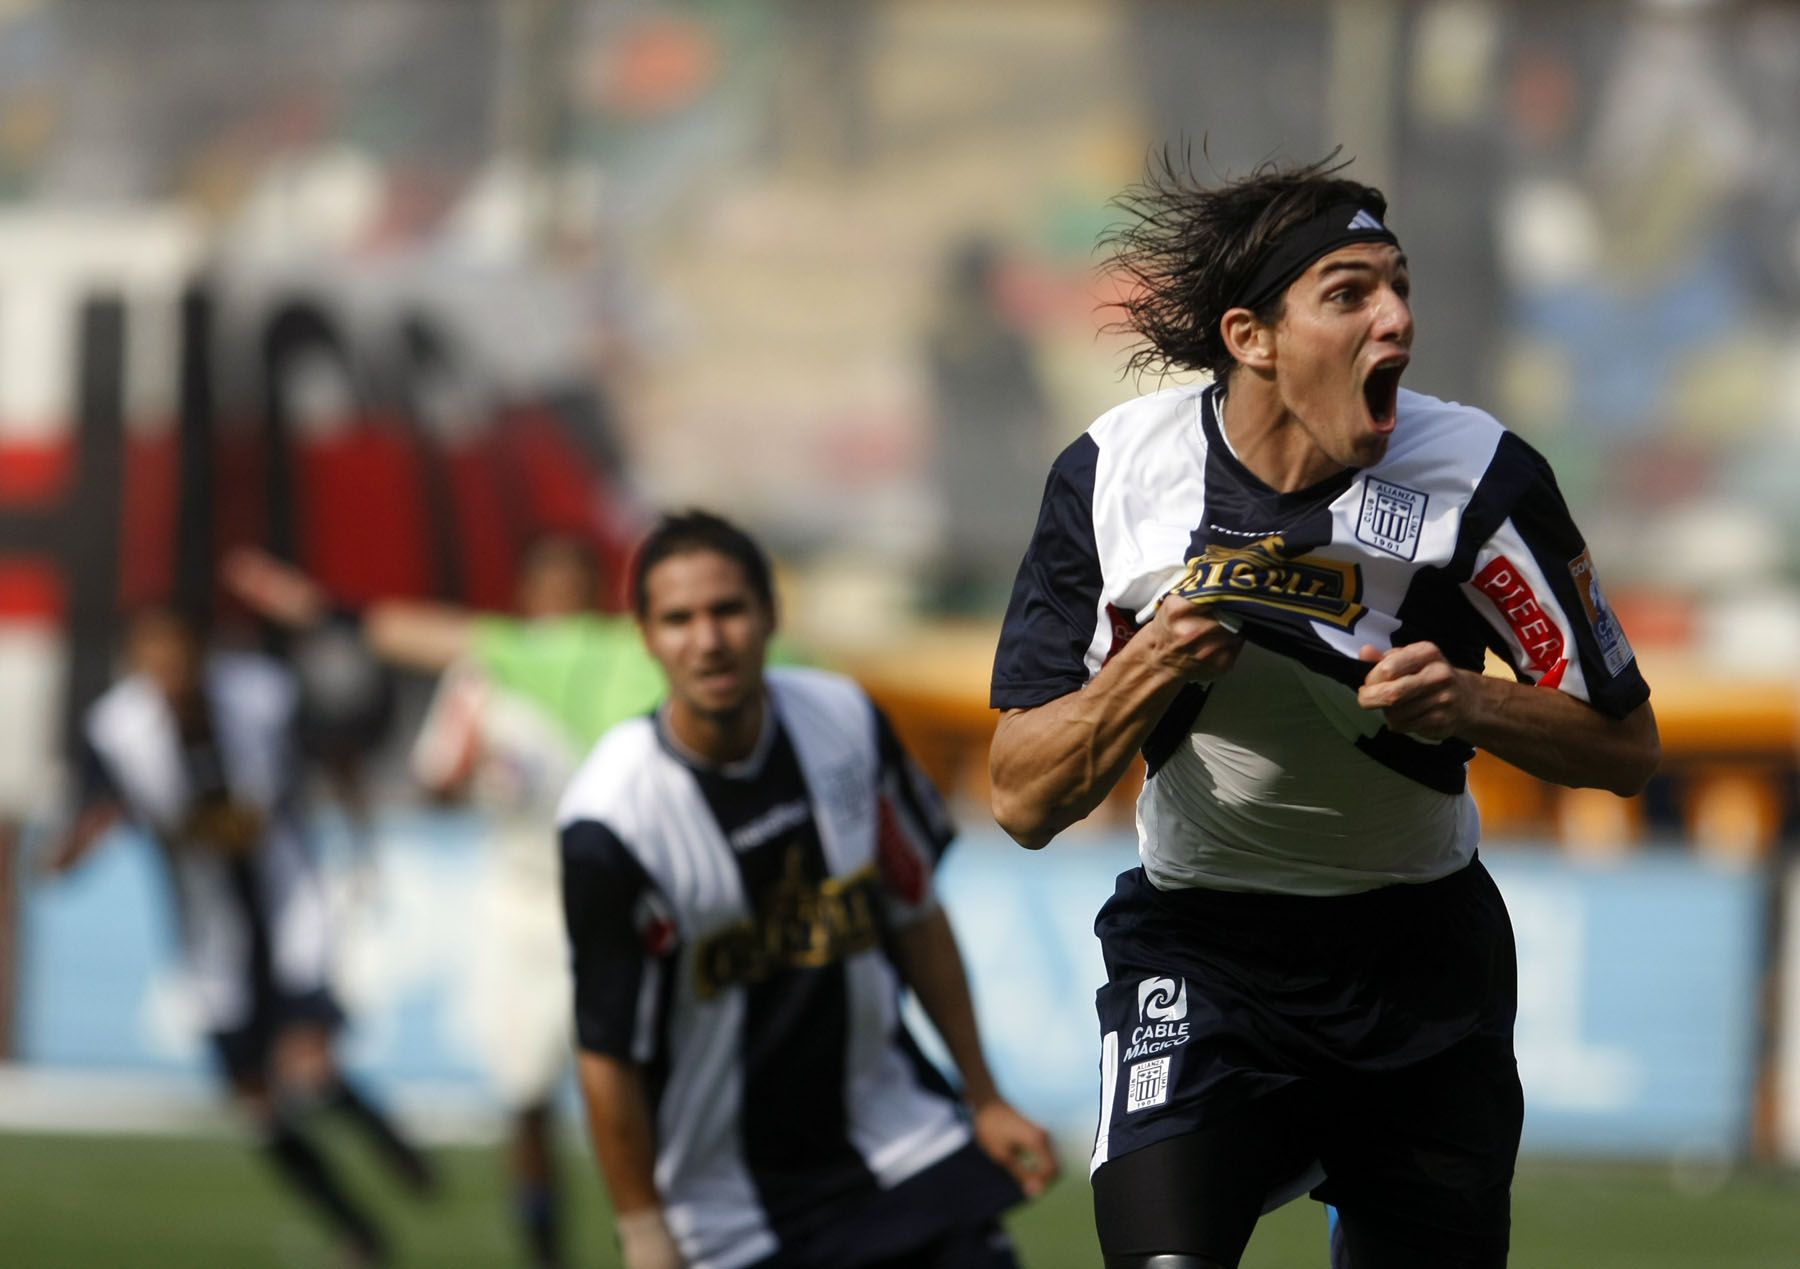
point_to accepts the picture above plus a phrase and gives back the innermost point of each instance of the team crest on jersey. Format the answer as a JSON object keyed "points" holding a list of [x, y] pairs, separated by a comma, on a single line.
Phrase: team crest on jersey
{"points": [[1608, 633], [1267, 574], [1391, 518], [844, 790]]}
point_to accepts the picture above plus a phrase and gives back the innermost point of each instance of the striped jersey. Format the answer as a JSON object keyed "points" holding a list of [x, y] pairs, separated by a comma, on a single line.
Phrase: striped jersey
{"points": [[727, 927], [224, 808], [1272, 777]]}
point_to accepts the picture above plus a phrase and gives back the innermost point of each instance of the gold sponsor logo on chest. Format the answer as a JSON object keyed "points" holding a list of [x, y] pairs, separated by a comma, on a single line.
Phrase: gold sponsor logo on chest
{"points": [[1265, 575], [800, 924]]}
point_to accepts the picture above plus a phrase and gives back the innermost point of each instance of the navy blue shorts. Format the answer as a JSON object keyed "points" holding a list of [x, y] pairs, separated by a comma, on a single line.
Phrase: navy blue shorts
{"points": [[243, 1052], [1377, 1027], [946, 1217]]}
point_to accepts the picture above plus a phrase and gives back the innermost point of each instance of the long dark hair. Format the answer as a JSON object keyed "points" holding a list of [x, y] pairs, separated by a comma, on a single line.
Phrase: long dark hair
{"points": [[1187, 251]]}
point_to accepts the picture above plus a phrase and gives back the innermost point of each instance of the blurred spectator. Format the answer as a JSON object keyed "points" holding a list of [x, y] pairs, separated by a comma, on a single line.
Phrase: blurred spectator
{"points": [[991, 429]]}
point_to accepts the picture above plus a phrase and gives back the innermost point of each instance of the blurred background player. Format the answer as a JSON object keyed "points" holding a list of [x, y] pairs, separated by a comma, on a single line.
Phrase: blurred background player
{"points": [[747, 877], [196, 749], [520, 699]]}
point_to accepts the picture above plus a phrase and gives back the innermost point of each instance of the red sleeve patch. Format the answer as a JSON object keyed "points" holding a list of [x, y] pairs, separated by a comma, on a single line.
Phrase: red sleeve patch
{"points": [[1537, 634], [902, 871], [1123, 627]]}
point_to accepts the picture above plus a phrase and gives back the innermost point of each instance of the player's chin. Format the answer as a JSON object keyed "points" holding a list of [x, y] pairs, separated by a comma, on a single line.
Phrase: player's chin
{"points": [[1370, 448]]}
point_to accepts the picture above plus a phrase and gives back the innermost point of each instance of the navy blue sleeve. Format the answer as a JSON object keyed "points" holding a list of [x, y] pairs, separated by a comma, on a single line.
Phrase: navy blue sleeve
{"points": [[615, 932], [915, 798], [94, 777], [1051, 617]]}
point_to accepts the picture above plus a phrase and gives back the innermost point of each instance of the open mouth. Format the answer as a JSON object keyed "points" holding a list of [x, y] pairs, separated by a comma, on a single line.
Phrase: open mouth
{"points": [[1381, 392]]}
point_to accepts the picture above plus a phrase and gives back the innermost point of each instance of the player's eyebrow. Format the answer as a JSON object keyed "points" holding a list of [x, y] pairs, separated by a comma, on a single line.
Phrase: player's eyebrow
{"points": [[1356, 265]]}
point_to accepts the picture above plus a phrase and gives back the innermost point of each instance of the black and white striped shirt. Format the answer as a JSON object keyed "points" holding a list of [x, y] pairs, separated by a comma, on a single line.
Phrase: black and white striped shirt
{"points": [[1273, 778], [727, 926]]}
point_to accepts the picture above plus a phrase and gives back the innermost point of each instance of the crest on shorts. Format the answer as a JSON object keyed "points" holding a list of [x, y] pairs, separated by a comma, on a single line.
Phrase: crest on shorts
{"points": [[1391, 518], [1147, 1084], [1162, 1000]]}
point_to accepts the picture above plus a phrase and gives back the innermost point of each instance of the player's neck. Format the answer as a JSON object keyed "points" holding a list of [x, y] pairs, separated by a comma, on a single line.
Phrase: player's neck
{"points": [[717, 739], [1269, 439]]}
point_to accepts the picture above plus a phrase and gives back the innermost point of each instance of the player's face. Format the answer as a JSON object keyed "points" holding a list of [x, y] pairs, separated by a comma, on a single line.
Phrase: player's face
{"points": [[1340, 348], [164, 651], [556, 582], [708, 628]]}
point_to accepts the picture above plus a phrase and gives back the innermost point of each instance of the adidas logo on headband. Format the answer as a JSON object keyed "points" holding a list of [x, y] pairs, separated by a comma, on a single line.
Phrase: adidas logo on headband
{"points": [[1306, 242]]}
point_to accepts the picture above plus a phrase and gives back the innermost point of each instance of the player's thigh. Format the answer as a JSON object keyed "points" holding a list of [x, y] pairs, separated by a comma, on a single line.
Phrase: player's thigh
{"points": [[1199, 1193], [1420, 1163]]}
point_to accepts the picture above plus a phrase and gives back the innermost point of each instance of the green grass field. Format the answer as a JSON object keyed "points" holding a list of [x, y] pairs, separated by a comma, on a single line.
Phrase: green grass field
{"points": [[95, 1203]]}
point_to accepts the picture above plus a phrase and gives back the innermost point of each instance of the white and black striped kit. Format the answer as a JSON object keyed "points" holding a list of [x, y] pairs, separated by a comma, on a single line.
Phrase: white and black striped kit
{"points": [[1274, 779], [250, 925], [727, 928]]}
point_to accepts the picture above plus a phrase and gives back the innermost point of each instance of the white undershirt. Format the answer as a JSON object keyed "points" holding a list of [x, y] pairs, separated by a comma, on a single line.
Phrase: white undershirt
{"points": [[1270, 793]]}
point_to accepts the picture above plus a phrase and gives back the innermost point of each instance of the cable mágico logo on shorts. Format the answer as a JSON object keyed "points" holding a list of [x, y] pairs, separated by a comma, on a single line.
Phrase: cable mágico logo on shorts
{"points": [[1162, 1008]]}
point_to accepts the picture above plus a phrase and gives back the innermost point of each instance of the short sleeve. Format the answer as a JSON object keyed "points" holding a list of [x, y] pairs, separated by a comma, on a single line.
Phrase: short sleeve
{"points": [[1533, 581], [1051, 617], [914, 830], [621, 933], [95, 783]]}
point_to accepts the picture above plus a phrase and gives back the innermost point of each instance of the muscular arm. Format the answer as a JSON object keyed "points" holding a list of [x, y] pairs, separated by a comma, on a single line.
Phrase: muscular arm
{"points": [[409, 633], [926, 954], [1543, 732], [624, 1136], [623, 1131], [1053, 764]]}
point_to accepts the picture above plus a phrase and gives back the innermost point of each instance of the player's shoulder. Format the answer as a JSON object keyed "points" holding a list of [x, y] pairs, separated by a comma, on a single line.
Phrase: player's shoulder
{"points": [[813, 685], [608, 785], [1148, 422], [128, 704], [1442, 442]]}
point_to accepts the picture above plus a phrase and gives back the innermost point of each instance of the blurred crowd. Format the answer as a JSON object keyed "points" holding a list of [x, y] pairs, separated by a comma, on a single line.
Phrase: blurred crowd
{"points": [[863, 233]]}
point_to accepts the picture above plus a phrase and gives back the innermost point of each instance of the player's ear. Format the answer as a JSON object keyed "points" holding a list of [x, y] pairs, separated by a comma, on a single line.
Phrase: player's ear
{"points": [[1249, 342]]}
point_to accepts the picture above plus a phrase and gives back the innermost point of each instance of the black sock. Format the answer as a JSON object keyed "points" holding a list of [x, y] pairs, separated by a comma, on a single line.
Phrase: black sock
{"points": [[400, 1154], [304, 1168], [535, 1204]]}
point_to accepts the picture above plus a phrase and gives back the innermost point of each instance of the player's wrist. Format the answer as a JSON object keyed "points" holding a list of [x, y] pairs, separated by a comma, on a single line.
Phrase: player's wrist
{"points": [[645, 1241]]}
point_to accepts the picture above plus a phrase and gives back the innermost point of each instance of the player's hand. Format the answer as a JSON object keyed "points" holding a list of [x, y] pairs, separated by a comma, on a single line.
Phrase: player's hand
{"points": [[645, 1241], [1016, 1144], [1192, 641], [278, 591], [1418, 691]]}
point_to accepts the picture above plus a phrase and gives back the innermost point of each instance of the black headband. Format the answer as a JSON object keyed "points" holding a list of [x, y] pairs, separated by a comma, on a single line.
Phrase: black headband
{"points": [[1337, 226]]}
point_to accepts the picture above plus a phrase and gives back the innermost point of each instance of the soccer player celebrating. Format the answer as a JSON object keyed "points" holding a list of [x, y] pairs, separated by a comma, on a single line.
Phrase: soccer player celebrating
{"points": [[1280, 588], [747, 885], [197, 750]]}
